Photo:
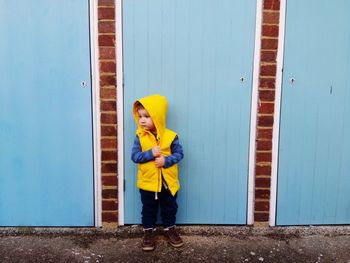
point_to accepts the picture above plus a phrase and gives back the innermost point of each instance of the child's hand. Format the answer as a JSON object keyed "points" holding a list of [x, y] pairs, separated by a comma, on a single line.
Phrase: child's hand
{"points": [[159, 161], [156, 151]]}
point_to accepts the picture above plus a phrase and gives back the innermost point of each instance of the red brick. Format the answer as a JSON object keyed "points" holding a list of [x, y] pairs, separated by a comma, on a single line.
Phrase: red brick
{"points": [[265, 121], [109, 193], [262, 170], [269, 43], [268, 56], [264, 134], [106, 27], [110, 217], [276, 4], [266, 108], [109, 155], [270, 30], [108, 130], [106, 13], [109, 80], [108, 118], [263, 157], [267, 95], [267, 83], [268, 4], [108, 106], [262, 206], [107, 53], [268, 70], [264, 145], [271, 18], [109, 168], [261, 216], [109, 143], [110, 93], [262, 193], [106, 40], [106, 2], [109, 205], [107, 67], [262, 182], [109, 180]]}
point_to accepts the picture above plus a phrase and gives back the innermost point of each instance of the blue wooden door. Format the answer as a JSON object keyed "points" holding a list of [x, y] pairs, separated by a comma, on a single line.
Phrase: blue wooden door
{"points": [[314, 156], [46, 165], [195, 53]]}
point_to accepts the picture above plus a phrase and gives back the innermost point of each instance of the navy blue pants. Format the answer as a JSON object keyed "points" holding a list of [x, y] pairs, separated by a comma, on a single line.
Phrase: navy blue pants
{"points": [[168, 208]]}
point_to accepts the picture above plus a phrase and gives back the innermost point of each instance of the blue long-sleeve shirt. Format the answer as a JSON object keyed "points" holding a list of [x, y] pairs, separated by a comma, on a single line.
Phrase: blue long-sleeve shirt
{"points": [[138, 156]]}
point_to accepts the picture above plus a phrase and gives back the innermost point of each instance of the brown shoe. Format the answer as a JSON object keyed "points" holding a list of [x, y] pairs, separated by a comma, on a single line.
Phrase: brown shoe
{"points": [[148, 242], [173, 237]]}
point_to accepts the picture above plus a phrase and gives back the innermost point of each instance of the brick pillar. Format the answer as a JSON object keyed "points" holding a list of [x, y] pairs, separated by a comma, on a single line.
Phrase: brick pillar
{"points": [[107, 63], [266, 104]]}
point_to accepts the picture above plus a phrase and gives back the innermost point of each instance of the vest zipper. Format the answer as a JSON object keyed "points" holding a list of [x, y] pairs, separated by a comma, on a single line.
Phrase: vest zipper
{"points": [[159, 174], [156, 195]]}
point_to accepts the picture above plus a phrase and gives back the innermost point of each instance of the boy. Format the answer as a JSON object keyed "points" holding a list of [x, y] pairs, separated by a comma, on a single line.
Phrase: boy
{"points": [[157, 151]]}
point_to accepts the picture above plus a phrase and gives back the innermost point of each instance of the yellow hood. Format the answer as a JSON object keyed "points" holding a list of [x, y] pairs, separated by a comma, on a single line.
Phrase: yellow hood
{"points": [[156, 105]]}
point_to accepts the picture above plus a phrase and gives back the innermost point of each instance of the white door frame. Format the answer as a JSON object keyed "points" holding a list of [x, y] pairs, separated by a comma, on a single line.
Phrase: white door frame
{"points": [[120, 107], [277, 114], [95, 89], [253, 114]]}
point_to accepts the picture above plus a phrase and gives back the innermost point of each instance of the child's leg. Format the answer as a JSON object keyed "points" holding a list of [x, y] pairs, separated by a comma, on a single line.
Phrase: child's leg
{"points": [[149, 217], [149, 209], [168, 208]]}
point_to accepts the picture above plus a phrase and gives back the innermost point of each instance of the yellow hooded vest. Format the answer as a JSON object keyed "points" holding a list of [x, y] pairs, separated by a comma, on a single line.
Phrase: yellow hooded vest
{"points": [[149, 176]]}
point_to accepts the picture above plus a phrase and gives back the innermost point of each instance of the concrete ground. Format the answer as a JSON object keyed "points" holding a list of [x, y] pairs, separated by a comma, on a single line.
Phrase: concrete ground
{"points": [[202, 243]]}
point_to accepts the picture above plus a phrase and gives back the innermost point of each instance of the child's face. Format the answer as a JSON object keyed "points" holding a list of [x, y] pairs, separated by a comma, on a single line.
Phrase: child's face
{"points": [[145, 120]]}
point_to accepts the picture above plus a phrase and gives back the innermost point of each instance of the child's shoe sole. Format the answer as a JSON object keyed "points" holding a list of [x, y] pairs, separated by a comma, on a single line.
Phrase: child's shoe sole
{"points": [[148, 248], [176, 245]]}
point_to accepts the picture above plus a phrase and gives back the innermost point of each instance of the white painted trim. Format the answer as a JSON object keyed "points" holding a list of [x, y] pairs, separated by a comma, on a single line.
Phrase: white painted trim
{"points": [[276, 127], [253, 115], [95, 89], [120, 108]]}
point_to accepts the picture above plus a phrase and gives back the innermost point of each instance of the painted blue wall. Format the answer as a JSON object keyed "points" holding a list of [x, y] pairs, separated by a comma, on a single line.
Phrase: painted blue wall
{"points": [[46, 165], [195, 53], [314, 159]]}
